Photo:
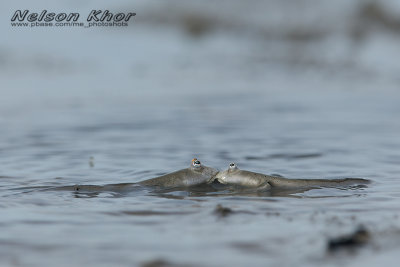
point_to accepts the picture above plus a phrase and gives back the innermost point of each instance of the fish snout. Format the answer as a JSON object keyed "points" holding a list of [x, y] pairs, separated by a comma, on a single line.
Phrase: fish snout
{"points": [[222, 180], [220, 177], [212, 178]]}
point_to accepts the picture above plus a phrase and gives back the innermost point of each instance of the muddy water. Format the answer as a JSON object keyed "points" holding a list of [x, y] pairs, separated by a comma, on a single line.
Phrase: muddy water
{"points": [[156, 98]]}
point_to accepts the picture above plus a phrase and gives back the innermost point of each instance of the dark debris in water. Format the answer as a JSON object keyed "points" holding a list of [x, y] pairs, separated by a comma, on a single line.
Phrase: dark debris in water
{"points": [[162, 263], [222, 211], [349, 242]]}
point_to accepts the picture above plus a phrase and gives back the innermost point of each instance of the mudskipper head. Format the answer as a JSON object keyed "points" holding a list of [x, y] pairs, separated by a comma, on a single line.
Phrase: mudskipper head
{"points": [[224, 175], [201, 173], [232, 167], [196, 164]]}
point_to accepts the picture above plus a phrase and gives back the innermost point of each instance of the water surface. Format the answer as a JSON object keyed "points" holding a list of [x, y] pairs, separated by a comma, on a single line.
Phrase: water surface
{"points": [[131, 104]]}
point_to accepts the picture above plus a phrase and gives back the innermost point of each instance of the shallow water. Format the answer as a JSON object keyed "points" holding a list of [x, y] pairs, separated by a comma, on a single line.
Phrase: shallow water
{"points": [[156, 98], [137, 226]]}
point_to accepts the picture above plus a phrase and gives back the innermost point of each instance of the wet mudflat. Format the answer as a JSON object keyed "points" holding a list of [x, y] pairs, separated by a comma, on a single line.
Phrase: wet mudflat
{"points": [[273, 102]]}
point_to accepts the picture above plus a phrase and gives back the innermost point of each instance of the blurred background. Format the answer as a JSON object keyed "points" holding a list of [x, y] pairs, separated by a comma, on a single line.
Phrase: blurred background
{"points": [[303, 88], [197, 70]]}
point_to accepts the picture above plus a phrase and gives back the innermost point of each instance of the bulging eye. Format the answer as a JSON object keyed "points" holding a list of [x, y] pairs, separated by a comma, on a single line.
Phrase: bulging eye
{"points": [[196, 162], [232, 165]]}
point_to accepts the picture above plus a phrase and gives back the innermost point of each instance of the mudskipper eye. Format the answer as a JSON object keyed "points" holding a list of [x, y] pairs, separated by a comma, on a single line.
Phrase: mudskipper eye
{"points": [[232, 165], [196, 163]]}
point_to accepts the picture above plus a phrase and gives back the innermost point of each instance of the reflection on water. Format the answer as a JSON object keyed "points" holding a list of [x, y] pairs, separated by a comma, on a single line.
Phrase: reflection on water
{"points": [[214, 189]]}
